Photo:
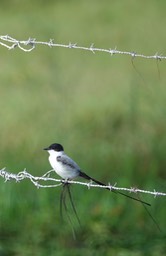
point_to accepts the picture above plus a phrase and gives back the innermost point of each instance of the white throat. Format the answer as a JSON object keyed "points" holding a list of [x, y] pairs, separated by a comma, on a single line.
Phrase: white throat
{"points": [[54, 153]]}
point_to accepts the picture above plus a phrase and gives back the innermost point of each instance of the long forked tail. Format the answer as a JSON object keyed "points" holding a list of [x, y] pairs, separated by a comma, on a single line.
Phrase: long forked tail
{"points": [[85, 176]]}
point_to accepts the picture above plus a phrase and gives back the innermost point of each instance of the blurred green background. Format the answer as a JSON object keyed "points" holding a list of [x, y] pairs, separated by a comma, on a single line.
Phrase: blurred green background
{"points": [[109, 116]]}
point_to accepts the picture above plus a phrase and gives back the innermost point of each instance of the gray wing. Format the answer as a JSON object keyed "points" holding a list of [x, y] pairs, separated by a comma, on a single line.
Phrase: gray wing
{"points": [[65, 160]]}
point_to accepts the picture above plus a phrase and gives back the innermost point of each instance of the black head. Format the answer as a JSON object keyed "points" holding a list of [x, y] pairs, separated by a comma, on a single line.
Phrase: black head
{"points": [[55, 146]]}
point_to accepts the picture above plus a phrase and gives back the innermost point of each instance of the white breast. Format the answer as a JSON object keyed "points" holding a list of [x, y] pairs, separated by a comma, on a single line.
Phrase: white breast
{"points": [[69, 170]]}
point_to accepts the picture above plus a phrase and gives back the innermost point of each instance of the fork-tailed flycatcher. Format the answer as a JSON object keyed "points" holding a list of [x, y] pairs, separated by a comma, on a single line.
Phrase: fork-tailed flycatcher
{"points": [[67, 169]]}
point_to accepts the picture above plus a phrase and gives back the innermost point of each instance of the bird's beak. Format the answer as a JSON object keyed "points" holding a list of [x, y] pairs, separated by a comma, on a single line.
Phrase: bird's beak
{"points": [[46, 149]]}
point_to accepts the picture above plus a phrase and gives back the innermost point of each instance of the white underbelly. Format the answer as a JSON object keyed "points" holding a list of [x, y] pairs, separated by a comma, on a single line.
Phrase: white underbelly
{"points": [[64, 171]]}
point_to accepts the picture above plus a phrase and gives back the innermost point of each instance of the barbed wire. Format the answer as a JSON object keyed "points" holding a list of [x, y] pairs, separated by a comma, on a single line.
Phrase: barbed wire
{"points": [[46, 178], [31, 43]]}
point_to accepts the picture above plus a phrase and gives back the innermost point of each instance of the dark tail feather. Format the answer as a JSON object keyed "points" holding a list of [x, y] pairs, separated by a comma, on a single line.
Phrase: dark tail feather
{"points": [[72, 204], [84, 175], [63, 204], [152, 218]]}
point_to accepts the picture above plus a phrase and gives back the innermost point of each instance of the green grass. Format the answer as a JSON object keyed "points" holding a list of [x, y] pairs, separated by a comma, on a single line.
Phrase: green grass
{"points": [[109, 119]]}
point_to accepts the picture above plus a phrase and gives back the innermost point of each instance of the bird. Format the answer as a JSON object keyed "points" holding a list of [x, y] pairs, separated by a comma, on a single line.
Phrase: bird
{"points": [[68, 169]]}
